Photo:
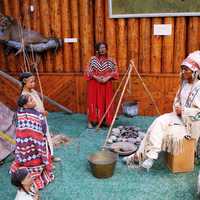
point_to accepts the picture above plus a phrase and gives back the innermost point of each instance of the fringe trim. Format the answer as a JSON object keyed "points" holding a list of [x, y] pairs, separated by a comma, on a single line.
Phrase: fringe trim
{"points": [[172, 145]]}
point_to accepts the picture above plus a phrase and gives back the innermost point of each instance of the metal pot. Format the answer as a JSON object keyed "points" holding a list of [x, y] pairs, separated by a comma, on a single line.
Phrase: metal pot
{"points": [[130, 109], [103, 163]]}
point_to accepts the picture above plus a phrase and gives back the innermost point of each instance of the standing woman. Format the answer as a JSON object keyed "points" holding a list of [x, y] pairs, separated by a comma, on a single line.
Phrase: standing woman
{"points": [[101, 71], [28, 88]]}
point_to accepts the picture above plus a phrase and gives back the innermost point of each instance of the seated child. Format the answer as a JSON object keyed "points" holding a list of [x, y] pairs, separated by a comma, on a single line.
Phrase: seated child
{"points": [[23, 181]]}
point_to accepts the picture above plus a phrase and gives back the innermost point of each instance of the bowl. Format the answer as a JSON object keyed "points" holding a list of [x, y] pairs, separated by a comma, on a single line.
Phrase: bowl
{"points": [[102, 163]]}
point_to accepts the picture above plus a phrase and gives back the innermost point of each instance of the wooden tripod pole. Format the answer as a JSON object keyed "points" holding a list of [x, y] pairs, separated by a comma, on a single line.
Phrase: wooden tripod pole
{"points": [[111, 102], [119, 103], [147, 90], [7, 138]]}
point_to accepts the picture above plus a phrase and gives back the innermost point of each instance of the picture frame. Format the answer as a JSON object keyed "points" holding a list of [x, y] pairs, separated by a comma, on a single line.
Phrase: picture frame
{"points": [[153, 8]]}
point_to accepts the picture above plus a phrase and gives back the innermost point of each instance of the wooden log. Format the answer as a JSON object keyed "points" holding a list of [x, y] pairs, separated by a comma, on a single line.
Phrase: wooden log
{"points": [[66, 33], [133, 40], [26, 14], [122, 45], [156, 47], [3, 65], [168, 48], [91, 27], [2, 56], [145, 41], [99, 21], [179, 43], [10, 58], [35, 15], [56, 28], [45, 29], [110, 29], [18, 83], [85, 30], [26, 22], [193, 33], [15, 7], [75, 34]]}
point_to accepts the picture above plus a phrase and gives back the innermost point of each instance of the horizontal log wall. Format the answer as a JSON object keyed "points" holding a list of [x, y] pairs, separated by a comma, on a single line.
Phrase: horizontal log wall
{"points": [[156, 57]]}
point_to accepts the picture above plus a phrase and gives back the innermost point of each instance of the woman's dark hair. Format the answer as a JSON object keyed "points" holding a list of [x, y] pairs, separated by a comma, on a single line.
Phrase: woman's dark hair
{"points": [[23, 76], [23, 99], [18, 176], [97, 46]]}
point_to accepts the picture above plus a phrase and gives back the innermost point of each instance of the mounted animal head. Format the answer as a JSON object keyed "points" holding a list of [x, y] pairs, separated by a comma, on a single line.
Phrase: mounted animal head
{"points": [[6, 22]]}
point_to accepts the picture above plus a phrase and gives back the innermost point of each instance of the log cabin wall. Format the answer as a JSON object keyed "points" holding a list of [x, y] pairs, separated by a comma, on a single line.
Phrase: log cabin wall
{"points": [[62, 73]]}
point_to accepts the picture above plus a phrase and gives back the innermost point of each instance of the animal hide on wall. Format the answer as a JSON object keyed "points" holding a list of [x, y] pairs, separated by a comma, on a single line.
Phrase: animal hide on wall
{"points": [[13, 35]]}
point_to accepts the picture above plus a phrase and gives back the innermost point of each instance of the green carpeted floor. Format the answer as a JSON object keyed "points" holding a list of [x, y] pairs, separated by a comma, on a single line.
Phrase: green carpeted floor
{"points": [[75, 182]]}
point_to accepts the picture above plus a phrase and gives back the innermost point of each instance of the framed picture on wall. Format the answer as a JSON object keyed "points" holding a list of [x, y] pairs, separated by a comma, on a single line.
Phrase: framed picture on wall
{"points": [[153, 8]]}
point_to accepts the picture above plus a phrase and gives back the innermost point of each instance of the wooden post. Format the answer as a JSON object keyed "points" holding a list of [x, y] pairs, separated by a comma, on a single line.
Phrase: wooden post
{"points": [[75, 34], [99, 21], [15, 7], [122, 45], [45, 29], [56, 28], [85, 27], [193, 33], [66, 33], [35, 15], [10, 58], [2, 56], [156, 42], [179, 43], [26, 14], [91, 27], [110, 34], [168, 48], [133, 40], [145, 35]]}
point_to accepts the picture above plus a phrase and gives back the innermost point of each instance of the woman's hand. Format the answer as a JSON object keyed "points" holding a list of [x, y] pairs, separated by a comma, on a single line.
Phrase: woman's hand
{"points": [[45, 113], [178, 110], [37, 196], [97, 78], [105, 79], [102, 79]]}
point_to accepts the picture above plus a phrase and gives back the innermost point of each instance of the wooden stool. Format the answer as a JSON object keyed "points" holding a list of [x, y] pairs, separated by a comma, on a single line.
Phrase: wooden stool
{"points": [[183, 162]]}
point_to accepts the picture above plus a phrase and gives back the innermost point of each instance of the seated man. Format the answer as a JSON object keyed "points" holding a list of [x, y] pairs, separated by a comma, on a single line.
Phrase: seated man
{"points": [[168, 130]]}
